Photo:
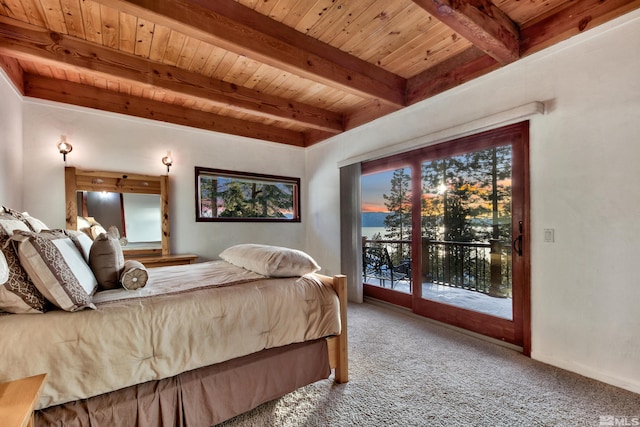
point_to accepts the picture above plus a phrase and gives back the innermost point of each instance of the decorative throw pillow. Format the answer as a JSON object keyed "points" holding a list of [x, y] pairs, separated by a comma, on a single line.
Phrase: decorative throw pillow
{"points": [[271, 261], [10, 222], [34, 223], [13, 213], [134, 275], [82, 241], [18, 294], [106, 260], [57, 268]]}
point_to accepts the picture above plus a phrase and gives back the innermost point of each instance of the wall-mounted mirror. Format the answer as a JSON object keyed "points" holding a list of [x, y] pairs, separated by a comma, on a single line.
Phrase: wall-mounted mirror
{"points": [[137, 206]]}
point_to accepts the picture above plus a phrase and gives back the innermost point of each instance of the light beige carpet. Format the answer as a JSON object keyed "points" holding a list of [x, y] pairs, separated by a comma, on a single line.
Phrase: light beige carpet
{"points": [[405, 371]]}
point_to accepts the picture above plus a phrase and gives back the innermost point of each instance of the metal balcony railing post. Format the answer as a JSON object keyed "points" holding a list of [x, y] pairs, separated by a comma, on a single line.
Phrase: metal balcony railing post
{"points": [[426, 258]]}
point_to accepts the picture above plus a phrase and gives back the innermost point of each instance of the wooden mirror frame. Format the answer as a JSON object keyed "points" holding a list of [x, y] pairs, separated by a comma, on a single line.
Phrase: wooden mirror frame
{"points": [[118, 182]]}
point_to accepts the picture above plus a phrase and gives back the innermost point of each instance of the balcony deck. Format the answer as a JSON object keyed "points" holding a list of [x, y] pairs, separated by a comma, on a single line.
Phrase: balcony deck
{"points": [[463, 298], [470, 275]]}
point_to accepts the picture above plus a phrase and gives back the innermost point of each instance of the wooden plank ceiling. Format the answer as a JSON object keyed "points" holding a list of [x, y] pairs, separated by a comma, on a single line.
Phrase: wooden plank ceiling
{"points": [[288, 71]]}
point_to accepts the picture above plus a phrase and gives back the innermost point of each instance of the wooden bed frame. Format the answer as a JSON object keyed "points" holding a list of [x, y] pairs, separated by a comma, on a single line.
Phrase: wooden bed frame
{"points": [[338, 345]]}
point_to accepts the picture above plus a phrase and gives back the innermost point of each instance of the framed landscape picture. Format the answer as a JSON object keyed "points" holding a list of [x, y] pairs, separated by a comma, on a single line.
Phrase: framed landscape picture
{"points": [[223, 195]]}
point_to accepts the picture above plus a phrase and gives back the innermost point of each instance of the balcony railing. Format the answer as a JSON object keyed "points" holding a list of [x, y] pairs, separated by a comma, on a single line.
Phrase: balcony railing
{"points": [[480, 267]]}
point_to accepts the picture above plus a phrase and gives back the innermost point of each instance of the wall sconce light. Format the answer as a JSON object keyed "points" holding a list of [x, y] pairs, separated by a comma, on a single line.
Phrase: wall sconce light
{"points": [[64, 147], [167, 160]]}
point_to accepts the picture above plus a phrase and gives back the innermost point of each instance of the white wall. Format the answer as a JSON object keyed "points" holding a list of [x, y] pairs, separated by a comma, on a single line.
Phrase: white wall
{"points": [[585, 183], [10, 144], [113, 142]]}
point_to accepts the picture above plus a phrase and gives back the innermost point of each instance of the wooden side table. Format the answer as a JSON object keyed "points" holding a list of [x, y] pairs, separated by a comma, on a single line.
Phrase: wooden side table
{"points": [[164, 260], [18, 399]]}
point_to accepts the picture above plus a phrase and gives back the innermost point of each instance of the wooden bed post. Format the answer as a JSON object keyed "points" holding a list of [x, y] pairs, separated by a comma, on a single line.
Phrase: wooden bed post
{"points": [[342, 360]]}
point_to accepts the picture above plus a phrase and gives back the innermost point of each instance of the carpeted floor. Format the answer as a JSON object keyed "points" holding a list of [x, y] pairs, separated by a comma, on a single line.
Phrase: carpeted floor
{"points": [[405, 371]]}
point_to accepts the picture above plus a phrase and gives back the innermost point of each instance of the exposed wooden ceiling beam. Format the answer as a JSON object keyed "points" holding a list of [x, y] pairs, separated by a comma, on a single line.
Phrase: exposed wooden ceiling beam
{"points": [[574, 19], [366, 113], [13, 71], [480, 22], [462, 68], [29, 42], [559, 25], [313, 137], [106, 100], [234, 27]]}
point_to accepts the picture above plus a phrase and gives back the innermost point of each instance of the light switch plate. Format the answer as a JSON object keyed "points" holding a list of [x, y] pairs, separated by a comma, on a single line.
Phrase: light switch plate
{"points": [[549, 235]]}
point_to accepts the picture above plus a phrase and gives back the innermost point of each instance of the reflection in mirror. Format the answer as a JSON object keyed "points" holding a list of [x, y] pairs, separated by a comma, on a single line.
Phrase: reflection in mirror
{"points": [[136, 217], [136, 205]]}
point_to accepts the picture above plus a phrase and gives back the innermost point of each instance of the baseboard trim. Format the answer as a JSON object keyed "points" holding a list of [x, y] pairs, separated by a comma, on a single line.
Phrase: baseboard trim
{"points": [[588, 372]]}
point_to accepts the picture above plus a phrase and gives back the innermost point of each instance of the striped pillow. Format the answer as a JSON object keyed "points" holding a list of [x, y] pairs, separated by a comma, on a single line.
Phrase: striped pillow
{"points": [[57, 268], [18, 294], [34, 223]]}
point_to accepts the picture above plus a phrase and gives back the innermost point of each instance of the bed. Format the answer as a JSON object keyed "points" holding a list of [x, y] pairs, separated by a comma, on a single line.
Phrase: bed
{"points": [[197, 345]]}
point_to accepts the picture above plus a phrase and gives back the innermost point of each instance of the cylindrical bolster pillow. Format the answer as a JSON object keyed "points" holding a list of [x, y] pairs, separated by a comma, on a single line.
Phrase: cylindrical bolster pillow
{"points": [[134, 276]]}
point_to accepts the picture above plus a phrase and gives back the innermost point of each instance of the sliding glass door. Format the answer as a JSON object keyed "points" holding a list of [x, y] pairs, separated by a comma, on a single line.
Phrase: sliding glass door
{"points": [[445, 232], [466, 230]]}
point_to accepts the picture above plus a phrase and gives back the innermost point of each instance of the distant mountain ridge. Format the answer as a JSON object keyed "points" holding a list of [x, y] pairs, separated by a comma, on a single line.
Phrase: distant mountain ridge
{"points": [[373, 219]]}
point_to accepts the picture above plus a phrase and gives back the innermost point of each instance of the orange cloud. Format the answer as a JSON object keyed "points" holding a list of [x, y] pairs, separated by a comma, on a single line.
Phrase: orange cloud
{"points": [[373, 207]]}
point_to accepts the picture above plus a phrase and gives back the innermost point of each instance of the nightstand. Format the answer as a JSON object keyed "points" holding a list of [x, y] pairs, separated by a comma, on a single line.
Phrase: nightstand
{"points": [[164, 260], [18, 399]]}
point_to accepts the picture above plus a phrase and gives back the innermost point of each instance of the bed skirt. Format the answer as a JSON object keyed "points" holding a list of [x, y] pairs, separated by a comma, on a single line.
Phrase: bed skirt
{"points": [[201, 397]]}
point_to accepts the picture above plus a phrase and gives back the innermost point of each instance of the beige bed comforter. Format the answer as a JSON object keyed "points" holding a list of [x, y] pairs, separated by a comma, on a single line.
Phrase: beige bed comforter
{"points": [[185, 317]]}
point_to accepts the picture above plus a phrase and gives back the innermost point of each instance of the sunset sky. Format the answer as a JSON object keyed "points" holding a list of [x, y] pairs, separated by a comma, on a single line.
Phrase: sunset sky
{"points": [[373, 187]]}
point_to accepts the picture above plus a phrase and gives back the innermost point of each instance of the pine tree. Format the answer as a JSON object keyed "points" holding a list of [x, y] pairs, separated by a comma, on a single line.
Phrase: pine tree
{"points": [[208, 187], [398, 203], [244, 199]]}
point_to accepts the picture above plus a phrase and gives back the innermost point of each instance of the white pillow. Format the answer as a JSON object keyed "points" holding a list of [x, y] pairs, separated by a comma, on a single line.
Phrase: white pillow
{"points": [[57, 268], [4, 269], [270, 261]]}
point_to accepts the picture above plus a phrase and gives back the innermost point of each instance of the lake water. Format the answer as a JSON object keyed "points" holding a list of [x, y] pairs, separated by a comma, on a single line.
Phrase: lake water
{"points": [[369, 232]]}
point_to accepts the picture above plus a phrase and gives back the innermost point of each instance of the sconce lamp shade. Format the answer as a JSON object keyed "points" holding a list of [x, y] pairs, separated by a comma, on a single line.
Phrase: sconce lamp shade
{"points": [[64, 147], [167, 160]]}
